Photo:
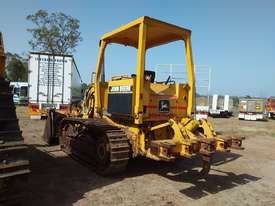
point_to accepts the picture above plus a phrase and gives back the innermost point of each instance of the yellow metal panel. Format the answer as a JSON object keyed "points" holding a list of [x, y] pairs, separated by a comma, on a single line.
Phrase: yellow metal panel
{"points": [[98, 107], [140, 73], [119, 30], [122, 82], [158, 33], [160, 126], [104, 95], [191, 76], [176, 94]]}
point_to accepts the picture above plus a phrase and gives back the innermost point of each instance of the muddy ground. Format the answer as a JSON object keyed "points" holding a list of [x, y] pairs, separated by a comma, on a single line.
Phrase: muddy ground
{"points": [[241, 178]]}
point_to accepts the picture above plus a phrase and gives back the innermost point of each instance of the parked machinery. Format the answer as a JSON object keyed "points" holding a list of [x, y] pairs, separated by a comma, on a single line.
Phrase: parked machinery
{"points": [[270, 107], [252, 109], [221, 106], [137, 116], [14, 165]]}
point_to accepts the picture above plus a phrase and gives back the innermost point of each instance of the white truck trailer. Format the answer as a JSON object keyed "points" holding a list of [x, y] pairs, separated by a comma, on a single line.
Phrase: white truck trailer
{"points": [[202, 112], [54, 82], [252, 109], [202, 107], [221, 106]]}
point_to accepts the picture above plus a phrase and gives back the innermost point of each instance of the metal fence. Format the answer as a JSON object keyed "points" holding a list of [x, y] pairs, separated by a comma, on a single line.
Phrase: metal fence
{"points": [[178, 73]]}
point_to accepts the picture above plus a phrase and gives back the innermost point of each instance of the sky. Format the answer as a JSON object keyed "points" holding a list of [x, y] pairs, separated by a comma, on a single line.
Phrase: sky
{"points": [[235, 38]]}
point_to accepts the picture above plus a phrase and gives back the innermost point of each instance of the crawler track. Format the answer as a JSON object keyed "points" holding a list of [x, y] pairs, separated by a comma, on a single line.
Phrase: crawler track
{"points": [[14, 164], [103, 146]]}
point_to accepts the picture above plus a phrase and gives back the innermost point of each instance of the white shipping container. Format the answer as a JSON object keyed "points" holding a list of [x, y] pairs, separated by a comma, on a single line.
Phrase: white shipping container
{"points": [[54, 82]]}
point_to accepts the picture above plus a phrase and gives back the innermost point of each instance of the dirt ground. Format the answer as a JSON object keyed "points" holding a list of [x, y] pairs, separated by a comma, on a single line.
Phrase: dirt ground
{"points": [[244, 177]]}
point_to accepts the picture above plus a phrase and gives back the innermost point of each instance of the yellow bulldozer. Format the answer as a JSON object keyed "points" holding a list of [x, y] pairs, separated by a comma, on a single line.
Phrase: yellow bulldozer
{"points": [[135, 115]]}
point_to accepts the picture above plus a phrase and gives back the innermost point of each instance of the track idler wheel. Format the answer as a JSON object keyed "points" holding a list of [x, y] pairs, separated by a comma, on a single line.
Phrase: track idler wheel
{"points": [[102, 155], [112, 152], [68, 132]]}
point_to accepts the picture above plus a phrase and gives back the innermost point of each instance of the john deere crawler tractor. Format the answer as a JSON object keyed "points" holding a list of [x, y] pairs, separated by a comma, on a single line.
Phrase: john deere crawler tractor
{"points": [[137, 116], [14, 163]]}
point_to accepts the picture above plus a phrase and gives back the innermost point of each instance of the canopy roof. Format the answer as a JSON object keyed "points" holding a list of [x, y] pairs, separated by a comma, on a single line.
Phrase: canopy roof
{"points": [[158, 33]]}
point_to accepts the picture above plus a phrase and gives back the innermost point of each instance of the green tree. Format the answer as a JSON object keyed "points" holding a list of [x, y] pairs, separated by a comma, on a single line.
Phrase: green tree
{"points": [[57, 32], [16, 69]]}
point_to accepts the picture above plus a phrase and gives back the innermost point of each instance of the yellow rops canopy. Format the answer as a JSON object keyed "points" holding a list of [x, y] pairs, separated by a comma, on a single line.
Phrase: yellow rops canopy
{"points": [[158, 33], [142, 34]]}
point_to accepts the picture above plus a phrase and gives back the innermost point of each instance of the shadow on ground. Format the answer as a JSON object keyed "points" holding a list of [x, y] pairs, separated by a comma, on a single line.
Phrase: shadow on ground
{"points": [[59, 180], [188, 171]]}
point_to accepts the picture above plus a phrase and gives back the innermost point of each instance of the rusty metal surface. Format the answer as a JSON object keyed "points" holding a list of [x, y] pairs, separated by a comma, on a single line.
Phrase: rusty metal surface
{"points": [[14, 163], [2, 57]]}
